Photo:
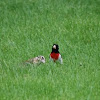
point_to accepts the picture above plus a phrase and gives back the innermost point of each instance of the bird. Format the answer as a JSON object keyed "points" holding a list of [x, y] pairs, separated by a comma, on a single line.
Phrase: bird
{"points": [[36, 60], [55, 55]]}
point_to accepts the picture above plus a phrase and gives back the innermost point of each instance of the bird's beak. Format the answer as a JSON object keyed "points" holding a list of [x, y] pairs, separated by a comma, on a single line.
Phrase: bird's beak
{"points": [[43, 61], [54, 47]]}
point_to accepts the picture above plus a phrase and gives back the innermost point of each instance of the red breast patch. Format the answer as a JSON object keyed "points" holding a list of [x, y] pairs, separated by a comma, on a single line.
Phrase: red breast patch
{"points": [[54, 56]]}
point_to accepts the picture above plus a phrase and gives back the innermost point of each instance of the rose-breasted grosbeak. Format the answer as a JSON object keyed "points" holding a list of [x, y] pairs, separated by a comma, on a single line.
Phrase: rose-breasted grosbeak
{"points": [[55, 55], [36, 60]]}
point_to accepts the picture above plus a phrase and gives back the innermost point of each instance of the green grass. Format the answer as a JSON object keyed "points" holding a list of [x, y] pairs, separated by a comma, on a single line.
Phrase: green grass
{"points": [[28, 28]]}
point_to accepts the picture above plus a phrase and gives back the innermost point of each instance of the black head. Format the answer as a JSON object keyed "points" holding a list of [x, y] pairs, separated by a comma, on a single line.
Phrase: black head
{"points": [[55, 48]]}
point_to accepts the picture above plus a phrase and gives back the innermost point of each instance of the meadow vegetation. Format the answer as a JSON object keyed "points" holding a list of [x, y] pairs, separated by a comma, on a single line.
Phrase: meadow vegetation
{"points": [[29, 28]]}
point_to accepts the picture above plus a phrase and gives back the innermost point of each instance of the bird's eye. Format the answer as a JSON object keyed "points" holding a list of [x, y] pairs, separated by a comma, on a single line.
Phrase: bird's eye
{"points": [[42, 57]]}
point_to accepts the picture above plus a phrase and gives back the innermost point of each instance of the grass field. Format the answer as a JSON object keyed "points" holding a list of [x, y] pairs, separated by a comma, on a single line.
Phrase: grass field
{"points": [[29, 28]]}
